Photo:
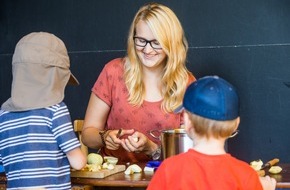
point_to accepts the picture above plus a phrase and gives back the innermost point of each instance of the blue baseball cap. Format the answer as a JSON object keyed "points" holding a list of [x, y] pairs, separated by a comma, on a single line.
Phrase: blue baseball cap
{"points": [[211, 97]]}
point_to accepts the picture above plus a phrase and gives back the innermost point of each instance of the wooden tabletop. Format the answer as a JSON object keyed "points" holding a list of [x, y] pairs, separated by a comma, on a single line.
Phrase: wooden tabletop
{"points": [[143, 179]]}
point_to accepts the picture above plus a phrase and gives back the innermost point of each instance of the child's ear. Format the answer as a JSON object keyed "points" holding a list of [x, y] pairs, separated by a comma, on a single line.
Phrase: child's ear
{"points": [[187, 122], [236, 131], [237, 122], [189, 127]]}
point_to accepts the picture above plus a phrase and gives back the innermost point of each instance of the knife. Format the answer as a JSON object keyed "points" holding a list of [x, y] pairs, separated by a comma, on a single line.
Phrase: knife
{"points": [[270, 163], [119, 133]]}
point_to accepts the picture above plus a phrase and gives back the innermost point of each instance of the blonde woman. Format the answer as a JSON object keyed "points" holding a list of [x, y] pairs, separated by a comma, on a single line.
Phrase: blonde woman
{"points": [[139, 92]]}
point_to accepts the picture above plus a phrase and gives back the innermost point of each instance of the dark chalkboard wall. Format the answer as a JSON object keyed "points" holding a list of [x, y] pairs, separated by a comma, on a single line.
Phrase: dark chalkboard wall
{"points": [[246, 42]]}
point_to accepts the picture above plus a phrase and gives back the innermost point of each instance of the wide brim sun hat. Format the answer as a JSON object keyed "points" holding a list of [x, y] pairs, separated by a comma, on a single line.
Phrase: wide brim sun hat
{"points": [[41, 71]]}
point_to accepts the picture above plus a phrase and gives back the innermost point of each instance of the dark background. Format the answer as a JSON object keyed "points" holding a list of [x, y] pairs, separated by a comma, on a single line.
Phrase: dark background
{"points": [[246, 42]]}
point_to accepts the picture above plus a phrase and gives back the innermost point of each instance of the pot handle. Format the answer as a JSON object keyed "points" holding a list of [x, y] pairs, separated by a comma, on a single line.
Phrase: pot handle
{"points": [[153, 135]]}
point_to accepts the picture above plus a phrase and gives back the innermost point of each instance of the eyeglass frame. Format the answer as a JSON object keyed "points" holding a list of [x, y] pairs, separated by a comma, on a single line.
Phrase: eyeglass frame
{"points": [[146, 42]]}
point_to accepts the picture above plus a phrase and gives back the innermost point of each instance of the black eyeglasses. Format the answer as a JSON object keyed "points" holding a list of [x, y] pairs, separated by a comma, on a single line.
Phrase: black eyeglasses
{"points": [[141, 42]]}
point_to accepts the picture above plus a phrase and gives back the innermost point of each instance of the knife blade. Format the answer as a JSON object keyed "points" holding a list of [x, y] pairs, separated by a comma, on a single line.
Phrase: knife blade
{"points": [[270, 163], [119, 133]]}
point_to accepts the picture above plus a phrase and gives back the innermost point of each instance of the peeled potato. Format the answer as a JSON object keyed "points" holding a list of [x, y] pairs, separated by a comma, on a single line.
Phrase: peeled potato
{"points": [[275, 169], [135, 139], [111, 160], [94, 158], [134, 168], [111, 166], [257, 165], [108, 166]]}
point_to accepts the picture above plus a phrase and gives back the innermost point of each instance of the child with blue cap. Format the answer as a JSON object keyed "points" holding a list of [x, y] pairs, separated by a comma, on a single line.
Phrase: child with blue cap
{"points": [[211, 116]]}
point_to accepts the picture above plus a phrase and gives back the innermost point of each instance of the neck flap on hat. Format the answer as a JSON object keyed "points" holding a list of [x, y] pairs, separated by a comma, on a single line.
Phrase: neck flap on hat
{"points": [[40, 69]]}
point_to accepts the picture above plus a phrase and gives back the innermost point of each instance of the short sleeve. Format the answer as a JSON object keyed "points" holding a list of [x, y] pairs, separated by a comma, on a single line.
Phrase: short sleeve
{"points": [[62, 129], [106, 81]]}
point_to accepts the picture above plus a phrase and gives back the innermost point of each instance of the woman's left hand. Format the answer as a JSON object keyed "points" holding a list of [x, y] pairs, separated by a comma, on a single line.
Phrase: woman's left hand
{"points": [[137, 142]]}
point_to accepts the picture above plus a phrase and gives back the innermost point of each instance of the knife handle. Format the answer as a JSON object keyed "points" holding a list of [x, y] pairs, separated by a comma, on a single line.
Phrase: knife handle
{"points": [[273, 162], [261, 173]]}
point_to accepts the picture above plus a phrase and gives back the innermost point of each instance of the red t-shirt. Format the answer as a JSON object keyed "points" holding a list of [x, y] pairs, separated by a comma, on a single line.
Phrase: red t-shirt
{"points": [[111, 88], [196, 171]]}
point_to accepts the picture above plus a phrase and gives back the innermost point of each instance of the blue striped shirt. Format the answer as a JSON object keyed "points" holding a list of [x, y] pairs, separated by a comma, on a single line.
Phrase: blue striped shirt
{"points": [[33, 147]]}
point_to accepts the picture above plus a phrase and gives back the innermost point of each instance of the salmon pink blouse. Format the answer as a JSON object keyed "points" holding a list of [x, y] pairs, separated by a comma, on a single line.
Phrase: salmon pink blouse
{"points": [[111, 88]]}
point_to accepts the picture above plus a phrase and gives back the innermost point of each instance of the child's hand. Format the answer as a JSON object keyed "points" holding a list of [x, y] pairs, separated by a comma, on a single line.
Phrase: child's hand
{"points": [[268, 183]]}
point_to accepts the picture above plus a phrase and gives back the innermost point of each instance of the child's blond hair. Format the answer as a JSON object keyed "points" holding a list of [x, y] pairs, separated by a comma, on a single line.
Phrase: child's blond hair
{"points": [[213, 128]]}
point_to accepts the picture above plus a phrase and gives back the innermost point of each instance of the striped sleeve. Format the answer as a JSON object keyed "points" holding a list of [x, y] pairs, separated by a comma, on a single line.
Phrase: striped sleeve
{"points": [[63, 130]]}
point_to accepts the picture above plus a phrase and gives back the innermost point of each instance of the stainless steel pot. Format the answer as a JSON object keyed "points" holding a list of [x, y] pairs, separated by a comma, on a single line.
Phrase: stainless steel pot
{"points": [[173, 142]]}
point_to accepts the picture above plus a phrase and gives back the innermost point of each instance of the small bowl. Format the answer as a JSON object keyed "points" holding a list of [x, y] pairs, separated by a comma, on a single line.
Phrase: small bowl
{"points": [[111, 160]]}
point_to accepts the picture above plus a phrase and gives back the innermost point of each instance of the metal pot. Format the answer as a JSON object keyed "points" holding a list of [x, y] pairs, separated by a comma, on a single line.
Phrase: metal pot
{"points": [[173, 142]]}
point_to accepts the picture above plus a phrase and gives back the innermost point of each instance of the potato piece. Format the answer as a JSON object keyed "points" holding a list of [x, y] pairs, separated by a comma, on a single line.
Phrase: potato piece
{"points": [[111, 159], [94, 167], [275, 169], [256, 165], [135, 139], [105, 165], [134, 168], [110, 166]]}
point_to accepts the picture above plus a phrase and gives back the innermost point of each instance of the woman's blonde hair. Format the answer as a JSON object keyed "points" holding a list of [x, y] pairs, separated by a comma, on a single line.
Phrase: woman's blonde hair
{"points": [[213, 128], [169, 33]]}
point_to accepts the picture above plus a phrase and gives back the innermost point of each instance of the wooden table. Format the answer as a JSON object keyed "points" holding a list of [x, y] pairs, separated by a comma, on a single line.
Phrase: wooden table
{"points": [[141, 180]]}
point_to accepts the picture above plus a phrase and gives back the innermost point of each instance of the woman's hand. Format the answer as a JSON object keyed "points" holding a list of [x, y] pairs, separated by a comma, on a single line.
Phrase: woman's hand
{"points": [[138, 142], [112, 138]]}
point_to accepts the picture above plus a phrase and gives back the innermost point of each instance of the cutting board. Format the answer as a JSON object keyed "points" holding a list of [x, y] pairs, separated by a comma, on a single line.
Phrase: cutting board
{"points": [[98, 174]]}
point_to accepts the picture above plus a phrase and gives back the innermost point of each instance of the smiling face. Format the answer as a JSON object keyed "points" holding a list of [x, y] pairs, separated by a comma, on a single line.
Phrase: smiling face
{"points": [[149, 56]]}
